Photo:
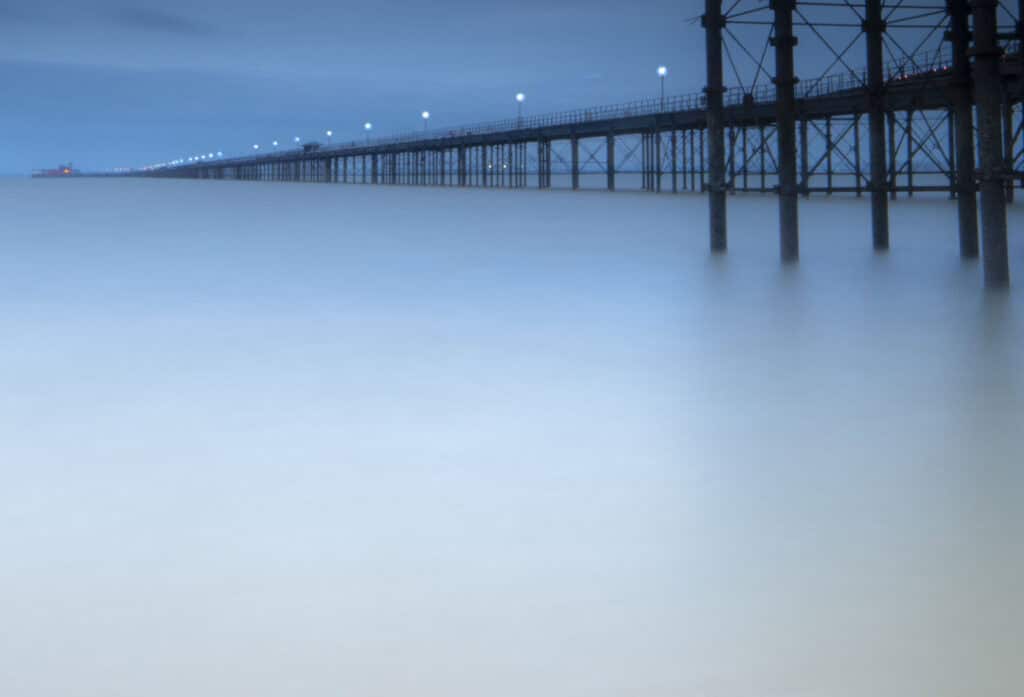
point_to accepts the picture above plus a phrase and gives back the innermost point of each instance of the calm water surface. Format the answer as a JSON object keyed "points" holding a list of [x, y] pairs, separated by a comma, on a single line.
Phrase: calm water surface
{"points": [[274, 439]]}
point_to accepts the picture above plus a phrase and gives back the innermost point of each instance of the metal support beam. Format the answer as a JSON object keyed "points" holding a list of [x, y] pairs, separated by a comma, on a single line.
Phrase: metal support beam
{"points": [[785, 115], [610, 155], [714, 22], [988, 98], [805, 166], [874, 28], [575, 163]]}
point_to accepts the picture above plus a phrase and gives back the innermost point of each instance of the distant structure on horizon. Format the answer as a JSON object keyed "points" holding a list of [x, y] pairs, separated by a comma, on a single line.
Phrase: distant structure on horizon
{"points": [[62, 171]]}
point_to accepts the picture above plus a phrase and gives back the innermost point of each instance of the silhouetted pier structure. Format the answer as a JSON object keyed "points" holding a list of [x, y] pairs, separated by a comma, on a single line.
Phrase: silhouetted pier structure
{"points": [[943, 115]]}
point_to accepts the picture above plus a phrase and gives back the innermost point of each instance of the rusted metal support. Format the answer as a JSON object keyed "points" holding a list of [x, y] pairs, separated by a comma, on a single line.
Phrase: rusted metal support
{"points": [[988, 98], [714, 23], [874, 28], [785, 116]]}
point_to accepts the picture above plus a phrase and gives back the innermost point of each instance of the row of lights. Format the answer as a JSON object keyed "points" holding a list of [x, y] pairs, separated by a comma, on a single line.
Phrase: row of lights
{"points": [[368, 126]]}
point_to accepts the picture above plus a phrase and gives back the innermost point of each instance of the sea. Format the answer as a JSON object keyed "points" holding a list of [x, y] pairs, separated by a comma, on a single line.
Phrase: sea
{"points": [[305, 439]]}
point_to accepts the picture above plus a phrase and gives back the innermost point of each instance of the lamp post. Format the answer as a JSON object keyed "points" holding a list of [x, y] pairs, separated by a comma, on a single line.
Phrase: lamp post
{"points": [[662, 72], [520, 98], [329, 134], [256, 147], [275, 145], [297, 140], [426, 120], [367, 127]]}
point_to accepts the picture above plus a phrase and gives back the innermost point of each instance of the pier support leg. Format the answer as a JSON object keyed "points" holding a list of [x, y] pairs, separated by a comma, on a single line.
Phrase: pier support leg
{"points": [[575, 163], [988, 97], [675, 162], [891, 120], [1008, 145], [856, 154], [805, 161], [610, 156], [785, 84], [714, 22], [657, 161], [910, 153], [874, 28]]}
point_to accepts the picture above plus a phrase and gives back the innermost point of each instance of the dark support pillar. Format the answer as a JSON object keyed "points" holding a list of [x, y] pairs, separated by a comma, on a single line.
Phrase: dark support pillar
{"points": [[714, 22], [805, 164], [828, 154], [657, 161], [874, 28], [764, 170], [547, 164], [731, 138], [988, 97], [541, 173], [858, 172], [785, 114], [575, 163], [891, 118], [910, 153], [610, 153], [1008, 145], [746, 160], [951, 154], [675, 163]]}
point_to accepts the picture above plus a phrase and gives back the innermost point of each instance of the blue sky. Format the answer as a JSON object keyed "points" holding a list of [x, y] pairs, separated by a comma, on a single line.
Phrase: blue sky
{"points": [[108, 84], [113, 83]]}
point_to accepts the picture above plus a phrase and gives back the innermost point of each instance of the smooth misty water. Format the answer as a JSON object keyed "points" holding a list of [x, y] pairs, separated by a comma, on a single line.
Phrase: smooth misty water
{"points": [[275, 439]]}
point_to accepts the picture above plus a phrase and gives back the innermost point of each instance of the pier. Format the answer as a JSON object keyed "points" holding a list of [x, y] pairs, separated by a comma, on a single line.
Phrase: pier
{"points": [[936, 108]]}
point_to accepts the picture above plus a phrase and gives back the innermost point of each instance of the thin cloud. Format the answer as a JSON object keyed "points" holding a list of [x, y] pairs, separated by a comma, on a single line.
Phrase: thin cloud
{"points": [[159, 21]]}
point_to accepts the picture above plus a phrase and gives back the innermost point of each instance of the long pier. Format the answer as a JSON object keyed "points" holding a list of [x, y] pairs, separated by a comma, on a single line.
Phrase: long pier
{"points": [[944, 116]]}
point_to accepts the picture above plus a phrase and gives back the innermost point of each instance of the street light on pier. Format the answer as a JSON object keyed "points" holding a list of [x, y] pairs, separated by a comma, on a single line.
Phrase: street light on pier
{"points": [[520, 98], [275, 145], [329, 134], [426, 119], [662, 72], [256, 147], [367, 127]]}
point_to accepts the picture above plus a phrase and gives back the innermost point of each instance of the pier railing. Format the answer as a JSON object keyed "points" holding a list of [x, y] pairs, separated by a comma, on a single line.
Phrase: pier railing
{"points": [[918, 65]]}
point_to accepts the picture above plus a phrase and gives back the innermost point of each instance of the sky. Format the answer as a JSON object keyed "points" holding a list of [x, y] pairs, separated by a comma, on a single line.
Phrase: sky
{"points": [[121, 83], [110, 83]]}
